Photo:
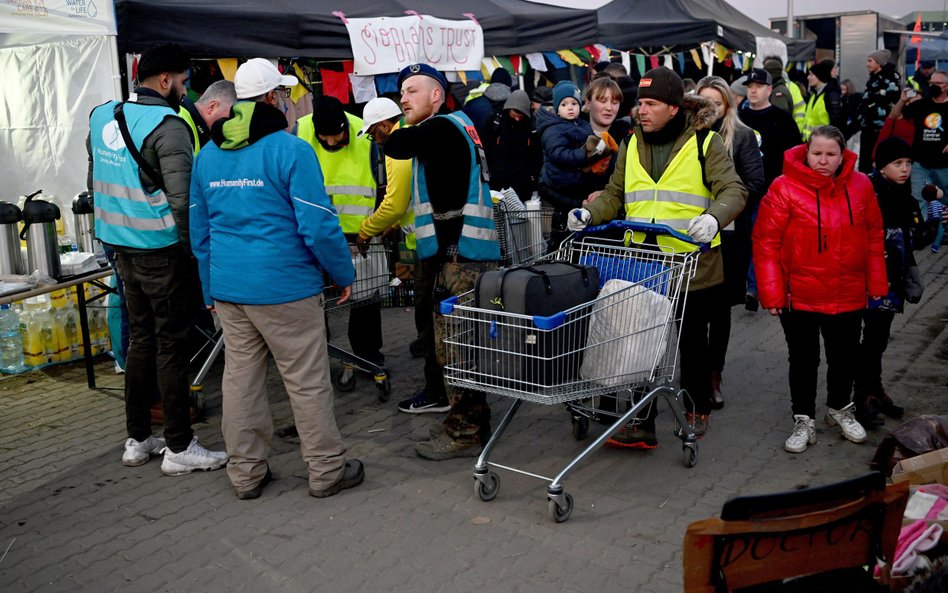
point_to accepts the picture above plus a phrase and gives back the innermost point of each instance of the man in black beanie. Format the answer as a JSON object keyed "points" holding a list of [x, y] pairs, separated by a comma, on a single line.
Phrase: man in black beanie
{"points": [[825, 105], [663, 158], [349, 164]]}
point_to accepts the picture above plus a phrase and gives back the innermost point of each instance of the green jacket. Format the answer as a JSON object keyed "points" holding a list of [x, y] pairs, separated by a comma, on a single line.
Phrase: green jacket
{"points": [[726, 187]]}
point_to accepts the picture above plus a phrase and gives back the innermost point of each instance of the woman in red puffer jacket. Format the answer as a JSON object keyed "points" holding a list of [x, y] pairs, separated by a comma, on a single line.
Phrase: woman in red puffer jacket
{"points": [[819, 256]]}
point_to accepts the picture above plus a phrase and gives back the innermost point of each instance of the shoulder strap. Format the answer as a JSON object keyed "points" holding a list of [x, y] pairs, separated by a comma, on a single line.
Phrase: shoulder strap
{"points": [[119, 115], [700, 137]]}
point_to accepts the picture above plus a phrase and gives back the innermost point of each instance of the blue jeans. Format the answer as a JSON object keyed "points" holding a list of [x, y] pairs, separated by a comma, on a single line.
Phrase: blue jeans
{"points": [[120, 346], [921, 177]]}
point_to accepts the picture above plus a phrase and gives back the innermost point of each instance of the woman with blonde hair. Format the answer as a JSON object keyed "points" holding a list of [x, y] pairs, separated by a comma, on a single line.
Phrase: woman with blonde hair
{"points": [[743, 145]]}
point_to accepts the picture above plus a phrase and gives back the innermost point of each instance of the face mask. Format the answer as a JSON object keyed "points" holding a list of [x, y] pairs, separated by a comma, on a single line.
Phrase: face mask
{"points": [[934, 90]]}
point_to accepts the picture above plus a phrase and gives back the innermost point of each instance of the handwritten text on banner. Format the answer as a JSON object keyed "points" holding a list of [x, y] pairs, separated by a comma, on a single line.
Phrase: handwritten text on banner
{"points": [[388, 44]]}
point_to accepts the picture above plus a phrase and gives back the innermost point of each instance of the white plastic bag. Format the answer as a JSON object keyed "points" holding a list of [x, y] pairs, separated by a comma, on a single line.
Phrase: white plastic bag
{"points": [[371, 272], [628, 329]]}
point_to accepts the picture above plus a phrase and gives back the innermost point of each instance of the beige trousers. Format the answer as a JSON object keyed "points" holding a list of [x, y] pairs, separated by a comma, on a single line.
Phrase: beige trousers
{"points": [[295, 333]]}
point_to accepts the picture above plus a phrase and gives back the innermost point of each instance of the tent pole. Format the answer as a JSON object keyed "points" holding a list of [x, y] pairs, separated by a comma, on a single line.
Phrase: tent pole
{"points": [[116, 73], [790, 25]]}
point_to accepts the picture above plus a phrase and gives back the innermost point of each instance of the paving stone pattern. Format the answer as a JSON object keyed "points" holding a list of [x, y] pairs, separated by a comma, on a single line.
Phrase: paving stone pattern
{"points": [[73, 519]]}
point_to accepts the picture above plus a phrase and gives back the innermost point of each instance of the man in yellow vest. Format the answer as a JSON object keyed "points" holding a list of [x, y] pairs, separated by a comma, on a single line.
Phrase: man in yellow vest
{"points": [[673, 170], [348, 163], [380, 118], [213, 105], [825, 105], [786, 95]]}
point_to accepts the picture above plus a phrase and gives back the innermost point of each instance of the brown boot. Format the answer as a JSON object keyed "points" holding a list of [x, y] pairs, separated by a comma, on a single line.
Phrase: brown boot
{"points": [[717, 400]]}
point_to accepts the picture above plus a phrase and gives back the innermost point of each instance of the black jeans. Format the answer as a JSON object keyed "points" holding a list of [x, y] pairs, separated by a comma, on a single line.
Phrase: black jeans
{"points": [[876, 326], [160, 296], [365, 332], [840, 332], [426, 278], [697, 355]]}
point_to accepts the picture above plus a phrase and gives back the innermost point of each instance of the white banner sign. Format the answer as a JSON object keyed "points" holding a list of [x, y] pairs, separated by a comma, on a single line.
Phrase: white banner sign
{"points": [[81, 17], [388, 44]]}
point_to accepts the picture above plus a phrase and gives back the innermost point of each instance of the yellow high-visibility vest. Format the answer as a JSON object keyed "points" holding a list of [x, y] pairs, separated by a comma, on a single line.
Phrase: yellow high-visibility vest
{"points": [[799, 105], [347, 173], [673, 200], [816, 114]]}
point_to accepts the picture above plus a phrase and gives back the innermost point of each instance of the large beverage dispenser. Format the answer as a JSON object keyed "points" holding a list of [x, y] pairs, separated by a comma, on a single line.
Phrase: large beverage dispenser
{"points": [[10, 260], [39, 232], [84, 221]]}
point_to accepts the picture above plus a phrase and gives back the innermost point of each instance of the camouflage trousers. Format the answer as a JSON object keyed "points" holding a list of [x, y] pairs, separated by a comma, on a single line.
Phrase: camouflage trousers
{"points": [[469, 418]]}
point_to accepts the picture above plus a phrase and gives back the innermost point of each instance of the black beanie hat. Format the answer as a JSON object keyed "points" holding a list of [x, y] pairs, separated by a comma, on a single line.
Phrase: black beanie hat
{"points": [[823, 70], [502, 76], [329, 118], [892, 149], [662, 85]]}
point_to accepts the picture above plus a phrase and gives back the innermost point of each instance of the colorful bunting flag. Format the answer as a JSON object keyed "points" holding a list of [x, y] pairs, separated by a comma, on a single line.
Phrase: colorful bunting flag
{"points": [[696, 58], [554, 59], [570, 58]]}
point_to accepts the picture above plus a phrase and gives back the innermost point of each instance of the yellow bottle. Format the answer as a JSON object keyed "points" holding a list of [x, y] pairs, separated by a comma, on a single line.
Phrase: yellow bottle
{"points": [[31, 336], [59, 342]]}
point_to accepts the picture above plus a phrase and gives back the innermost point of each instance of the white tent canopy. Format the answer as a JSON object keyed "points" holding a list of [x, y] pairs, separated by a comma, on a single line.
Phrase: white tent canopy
{"points": [[57, 62]]}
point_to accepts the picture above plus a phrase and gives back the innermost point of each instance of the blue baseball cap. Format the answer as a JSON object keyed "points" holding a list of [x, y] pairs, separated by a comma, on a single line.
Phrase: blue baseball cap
{"points": [[422, 70]]}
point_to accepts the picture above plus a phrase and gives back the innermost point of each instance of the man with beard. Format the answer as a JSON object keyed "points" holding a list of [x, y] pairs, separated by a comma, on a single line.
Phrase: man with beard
{"points": [[140, 156]]}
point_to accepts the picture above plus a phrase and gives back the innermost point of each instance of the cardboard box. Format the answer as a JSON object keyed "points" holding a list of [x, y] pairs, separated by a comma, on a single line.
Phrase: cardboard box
{"points": [[929, 468]]}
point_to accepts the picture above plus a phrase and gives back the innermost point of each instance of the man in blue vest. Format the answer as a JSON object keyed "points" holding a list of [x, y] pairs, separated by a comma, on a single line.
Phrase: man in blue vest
{"points": [[456, 239], [140, 156]]}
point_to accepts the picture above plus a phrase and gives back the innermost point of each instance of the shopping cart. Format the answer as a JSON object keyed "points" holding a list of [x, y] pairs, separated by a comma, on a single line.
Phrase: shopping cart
{"points": [[523, 233], [371, 286], [569, 358]]}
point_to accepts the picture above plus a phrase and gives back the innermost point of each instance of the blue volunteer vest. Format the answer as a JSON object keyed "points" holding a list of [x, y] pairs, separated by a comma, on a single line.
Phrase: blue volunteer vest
{"points": [[126, 214], [478, 239]]}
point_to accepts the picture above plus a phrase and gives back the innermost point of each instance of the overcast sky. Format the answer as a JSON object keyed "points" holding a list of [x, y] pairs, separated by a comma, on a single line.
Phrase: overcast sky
{"points": [[763, 10]]}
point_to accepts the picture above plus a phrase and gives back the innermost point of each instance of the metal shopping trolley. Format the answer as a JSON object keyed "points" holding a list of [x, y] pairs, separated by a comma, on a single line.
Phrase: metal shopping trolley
{"points": [[371, 286], [623, 344], [523, 233]]}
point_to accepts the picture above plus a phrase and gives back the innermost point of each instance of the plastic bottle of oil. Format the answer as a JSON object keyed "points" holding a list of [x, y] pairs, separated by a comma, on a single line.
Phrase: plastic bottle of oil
{"points": [[39, 340], [66, 316]]}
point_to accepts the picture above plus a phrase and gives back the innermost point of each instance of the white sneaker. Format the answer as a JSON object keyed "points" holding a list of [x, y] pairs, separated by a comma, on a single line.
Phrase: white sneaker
{"points": [[138, 453], [192, 458], [852, 430], [804, 433]]}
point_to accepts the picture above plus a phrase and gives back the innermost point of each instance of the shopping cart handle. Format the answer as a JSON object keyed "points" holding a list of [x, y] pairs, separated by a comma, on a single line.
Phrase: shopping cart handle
{"points": [[643, 227], [447, 305]]}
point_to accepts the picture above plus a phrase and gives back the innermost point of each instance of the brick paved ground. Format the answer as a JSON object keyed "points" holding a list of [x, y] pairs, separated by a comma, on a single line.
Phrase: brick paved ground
{"points": [[72, 518]]}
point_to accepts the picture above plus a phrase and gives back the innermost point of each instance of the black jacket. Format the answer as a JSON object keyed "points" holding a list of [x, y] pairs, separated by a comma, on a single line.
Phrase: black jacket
{"points": [[882, 91], [514, 154], [903, 229], [778, 133], [443, 149]]}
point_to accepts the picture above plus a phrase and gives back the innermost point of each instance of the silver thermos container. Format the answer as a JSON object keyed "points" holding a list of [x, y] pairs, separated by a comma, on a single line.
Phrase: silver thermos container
{"points": [[84, 221], [10, 260], [39, 231]]}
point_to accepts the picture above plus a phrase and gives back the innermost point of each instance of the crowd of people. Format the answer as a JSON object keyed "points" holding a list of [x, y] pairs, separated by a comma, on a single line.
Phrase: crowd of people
{"points": [[192, 196]]}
